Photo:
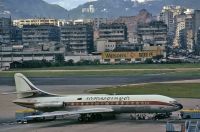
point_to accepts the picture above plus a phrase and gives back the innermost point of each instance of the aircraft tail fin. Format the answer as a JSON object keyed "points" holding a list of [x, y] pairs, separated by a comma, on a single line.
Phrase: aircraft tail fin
{"points": [[25, 89]]}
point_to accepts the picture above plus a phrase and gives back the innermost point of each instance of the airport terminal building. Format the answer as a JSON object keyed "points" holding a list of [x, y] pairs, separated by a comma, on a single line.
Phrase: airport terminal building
{"points": [[128, 57]]}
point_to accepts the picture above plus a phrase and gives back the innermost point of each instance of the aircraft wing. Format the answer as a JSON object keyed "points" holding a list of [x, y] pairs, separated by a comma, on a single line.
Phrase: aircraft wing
{"points": [[75, 112]]}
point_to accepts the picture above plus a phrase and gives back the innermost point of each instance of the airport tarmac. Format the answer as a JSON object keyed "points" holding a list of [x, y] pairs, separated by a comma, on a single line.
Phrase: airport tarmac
{"points": [[78, 85], [73, 126], [121, 124]]}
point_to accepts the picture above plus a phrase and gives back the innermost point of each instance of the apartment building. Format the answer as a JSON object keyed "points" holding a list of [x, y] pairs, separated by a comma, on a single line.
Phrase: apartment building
{"points": [[152, 34], [37, 34], [113, 32], [77, 38]]}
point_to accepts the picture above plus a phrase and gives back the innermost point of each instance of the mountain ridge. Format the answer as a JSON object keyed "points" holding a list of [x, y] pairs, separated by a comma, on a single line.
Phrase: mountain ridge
{"points": [[33, 8], [116, 8], [103, 8]]}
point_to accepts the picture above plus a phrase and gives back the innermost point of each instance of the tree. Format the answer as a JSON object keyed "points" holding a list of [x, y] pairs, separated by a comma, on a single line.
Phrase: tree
{"points": [[148, 61], [69, 62], [158, 57], [59, 58]]}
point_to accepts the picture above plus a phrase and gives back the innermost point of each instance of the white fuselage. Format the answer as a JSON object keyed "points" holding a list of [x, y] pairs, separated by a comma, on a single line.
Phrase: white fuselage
{"points": [[119, 103]]}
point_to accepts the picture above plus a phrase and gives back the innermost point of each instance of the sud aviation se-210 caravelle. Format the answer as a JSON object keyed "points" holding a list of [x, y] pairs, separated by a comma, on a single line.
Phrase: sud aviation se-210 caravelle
{"points": [[90, 106]]}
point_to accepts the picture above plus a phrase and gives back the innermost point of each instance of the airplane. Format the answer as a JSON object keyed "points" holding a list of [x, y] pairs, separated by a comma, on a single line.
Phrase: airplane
{"points": [[89, 106]]}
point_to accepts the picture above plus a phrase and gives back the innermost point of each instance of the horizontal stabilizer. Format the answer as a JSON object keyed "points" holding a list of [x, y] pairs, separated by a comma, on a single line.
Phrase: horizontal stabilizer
{"points": [[22, 92]]}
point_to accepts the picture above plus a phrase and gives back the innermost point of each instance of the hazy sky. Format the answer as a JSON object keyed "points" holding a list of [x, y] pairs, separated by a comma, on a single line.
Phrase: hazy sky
{"points": [[69, 4]]}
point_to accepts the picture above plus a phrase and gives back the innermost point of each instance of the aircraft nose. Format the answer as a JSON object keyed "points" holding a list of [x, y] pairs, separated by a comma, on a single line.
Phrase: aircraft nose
{"points": [[180, 106]]}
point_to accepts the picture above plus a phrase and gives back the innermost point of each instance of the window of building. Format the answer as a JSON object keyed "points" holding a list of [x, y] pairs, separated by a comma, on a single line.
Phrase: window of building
{"points": [[138, 59], [128, 60], [117, 60], [107, 60]]}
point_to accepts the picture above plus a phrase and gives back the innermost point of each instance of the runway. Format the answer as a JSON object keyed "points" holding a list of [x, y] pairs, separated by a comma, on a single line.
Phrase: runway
{"points": [[66, 86], [98, 80]]}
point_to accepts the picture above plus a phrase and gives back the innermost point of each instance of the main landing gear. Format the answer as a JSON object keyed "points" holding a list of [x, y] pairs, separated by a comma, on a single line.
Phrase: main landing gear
{"points": [[90, 117], [149, 116], [162, 116]]}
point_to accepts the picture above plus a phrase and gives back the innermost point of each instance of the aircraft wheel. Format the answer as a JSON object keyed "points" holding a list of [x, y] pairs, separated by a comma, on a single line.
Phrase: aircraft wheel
{"points": [[168, 114], [82, 118], [93, 116], [79, 119], [99, 117], [87, 119]]}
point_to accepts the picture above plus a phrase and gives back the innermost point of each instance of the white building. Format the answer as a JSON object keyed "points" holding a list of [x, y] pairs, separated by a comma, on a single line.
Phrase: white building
{"points": [[180, 31], [102, 45], [168, 15], [38, 21], [90, 9]]}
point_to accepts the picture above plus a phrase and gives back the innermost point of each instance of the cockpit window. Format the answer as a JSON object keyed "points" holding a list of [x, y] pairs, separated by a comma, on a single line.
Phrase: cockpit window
{"points": [[173, 102], [79, 98]]}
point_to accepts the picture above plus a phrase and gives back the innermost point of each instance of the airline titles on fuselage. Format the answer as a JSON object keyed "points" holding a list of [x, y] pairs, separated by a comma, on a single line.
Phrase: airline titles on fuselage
{"points": [[121, 98]]}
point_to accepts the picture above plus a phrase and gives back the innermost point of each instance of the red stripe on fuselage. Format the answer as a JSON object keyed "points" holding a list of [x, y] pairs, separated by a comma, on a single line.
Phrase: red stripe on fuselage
{"points": [[116, 103]]}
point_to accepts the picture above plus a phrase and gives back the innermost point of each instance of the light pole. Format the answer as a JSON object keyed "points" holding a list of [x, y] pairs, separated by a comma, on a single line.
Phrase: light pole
{"points": [[1, 53], [1, 45]]}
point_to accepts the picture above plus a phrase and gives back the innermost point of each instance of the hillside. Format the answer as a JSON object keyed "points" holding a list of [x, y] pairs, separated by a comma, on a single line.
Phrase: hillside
{"points": [[33, 8], [116, 8], [103, 8]]}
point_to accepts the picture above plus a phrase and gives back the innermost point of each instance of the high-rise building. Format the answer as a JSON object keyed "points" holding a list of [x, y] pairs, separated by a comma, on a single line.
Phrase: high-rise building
{"points": [[90, 9], [77, 38], [190, 40], [177, 10], [184, 30], [153, 34], [36, 34], [168, 16], [189, 20], [113, 32], [5, 29], [196, 28], [132, 21], [197, 44], [189, 26], [180, 32], [16, 35], [98, 21]]}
